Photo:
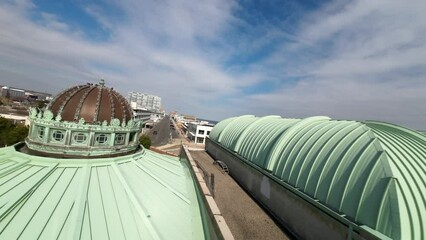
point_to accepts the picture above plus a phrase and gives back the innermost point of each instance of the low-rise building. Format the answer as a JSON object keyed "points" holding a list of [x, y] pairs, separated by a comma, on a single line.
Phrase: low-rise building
{"points": [[198, 131], [33, 95], [13, 93], [142, 115]]}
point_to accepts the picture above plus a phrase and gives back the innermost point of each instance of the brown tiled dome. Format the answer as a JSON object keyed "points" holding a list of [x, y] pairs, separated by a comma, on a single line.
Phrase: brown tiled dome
{"points": [[93, 102]]}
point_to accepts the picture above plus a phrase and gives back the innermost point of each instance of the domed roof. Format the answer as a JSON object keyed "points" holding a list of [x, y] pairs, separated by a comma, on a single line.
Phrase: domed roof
{"points": [[86, 121], [94, 103]]}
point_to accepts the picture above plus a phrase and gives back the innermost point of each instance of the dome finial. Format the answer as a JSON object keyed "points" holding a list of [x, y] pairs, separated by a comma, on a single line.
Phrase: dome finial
{"points": [[102, 82]]}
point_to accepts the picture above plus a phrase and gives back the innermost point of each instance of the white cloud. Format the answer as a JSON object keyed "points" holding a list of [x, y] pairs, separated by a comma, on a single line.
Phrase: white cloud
{"points": [[153, 50], [361, 60], [357, 60]]}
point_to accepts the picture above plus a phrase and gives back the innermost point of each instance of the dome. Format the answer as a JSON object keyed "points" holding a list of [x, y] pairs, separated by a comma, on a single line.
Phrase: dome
{"points": [[85, 121], [94, 103]]}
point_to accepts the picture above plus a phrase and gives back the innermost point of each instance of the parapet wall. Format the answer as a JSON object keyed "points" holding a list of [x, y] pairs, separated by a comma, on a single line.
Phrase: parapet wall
{"points": [[301, 218], [212, 217]]}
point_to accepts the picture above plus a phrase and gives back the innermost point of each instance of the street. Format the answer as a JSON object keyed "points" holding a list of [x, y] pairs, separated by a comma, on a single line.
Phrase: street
{"points": [[161, 132]]}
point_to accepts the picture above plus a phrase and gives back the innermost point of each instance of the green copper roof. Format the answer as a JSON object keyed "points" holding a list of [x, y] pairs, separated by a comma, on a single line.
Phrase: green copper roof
{"points": [[139, 196], [371, 173]]}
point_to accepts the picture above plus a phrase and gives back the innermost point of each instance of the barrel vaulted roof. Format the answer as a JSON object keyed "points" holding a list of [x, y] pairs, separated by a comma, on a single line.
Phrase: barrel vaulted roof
{"points": [[139, 196], [371, 173]]}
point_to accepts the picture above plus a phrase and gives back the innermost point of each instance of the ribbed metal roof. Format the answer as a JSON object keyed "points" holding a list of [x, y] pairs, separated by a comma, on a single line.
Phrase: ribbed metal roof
{"points": [[94, 103], [140, 196], [371, 173]]}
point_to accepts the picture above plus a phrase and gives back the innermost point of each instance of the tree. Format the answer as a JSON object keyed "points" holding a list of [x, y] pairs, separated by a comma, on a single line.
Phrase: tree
{"points": [[18, 134], [145, 141], [41, 104], [11, 133]]}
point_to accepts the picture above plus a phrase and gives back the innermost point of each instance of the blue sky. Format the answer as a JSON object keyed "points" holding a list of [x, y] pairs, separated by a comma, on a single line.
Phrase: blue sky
{"points": [[216, 59]]}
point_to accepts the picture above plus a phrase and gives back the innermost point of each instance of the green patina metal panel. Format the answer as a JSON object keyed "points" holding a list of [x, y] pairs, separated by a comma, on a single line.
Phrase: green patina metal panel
{"points": [[139, 196], [218, 129], [231, 132], [372, 173]]}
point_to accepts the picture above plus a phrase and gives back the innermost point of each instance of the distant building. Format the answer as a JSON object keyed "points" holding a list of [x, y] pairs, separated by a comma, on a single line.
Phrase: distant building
{"points": [[17, 94], [142, 115], [32, 95], [188, 117], [13, 93], [198, 131], [146, 101], [148, 118]]}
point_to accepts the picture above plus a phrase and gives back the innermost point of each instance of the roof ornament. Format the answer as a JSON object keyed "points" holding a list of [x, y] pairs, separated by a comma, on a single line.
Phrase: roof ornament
{"points": [[102, 83], [81, 121], [33, 112], [48, 115], [58, 117], [115, 122]]}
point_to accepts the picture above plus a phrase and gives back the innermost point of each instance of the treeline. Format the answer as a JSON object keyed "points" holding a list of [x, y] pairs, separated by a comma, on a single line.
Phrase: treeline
{"points": [[11, 133]]}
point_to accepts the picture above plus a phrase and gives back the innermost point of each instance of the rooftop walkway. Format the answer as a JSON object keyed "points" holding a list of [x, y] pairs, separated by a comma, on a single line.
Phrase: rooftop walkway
{"points": [[245, 218]]}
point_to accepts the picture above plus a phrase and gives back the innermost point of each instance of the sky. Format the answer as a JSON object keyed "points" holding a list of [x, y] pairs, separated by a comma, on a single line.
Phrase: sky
{"points": [[356, 60]]}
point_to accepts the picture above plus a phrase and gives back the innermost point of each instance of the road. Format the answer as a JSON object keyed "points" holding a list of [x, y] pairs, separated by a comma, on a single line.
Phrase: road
{"points": [[161, 132]]}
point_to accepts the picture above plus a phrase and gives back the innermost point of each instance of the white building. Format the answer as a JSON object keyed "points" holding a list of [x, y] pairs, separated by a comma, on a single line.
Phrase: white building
{"points": [[198, 132], [146, 101]]}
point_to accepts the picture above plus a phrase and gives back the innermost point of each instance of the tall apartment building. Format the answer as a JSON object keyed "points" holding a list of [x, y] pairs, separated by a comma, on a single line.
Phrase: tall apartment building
{"points": [[144, 101]]}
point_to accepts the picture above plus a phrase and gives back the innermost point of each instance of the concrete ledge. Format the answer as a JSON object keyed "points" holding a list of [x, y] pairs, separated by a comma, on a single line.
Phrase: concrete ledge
{"points": [[223, 226], [206, 190], [214, 211], [213, 206]]}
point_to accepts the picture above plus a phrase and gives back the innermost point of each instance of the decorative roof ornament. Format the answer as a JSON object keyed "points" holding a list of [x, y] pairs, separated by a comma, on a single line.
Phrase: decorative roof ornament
{"points": [[33, 112], [130, 123], [58, 117], [81, 121], [48, 115], [115, 122]]}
